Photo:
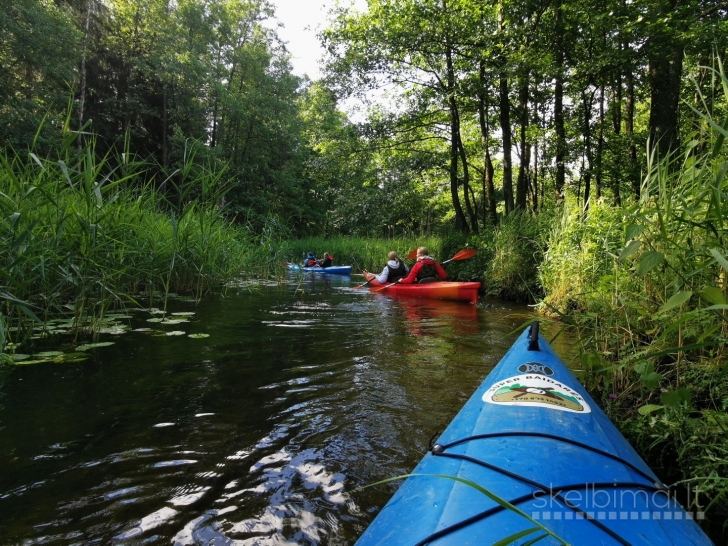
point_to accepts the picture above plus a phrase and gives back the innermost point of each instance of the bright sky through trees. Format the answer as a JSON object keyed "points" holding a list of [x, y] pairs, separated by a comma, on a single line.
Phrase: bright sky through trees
{"points": [[302, 19]]}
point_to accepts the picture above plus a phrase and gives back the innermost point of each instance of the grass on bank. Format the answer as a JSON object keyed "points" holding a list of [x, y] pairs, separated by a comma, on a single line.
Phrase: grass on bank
{"points": [[646, 287], [80, 235]]}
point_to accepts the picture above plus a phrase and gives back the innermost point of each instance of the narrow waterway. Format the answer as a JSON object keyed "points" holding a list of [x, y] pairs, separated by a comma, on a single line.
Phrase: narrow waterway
{"points": [[260, 433]]}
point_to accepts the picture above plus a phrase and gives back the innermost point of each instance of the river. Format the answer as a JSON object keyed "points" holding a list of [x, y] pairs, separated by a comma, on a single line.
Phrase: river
{"points": [[259, 434]]}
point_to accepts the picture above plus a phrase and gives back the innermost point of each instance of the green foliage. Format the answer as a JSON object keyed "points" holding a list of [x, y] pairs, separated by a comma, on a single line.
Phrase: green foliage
{"points": [[81, 235], [508, 257], [645, 286], [38, 54], [689, 450]]}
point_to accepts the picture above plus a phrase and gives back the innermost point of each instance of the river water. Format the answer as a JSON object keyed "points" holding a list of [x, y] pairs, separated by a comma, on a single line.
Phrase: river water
{"points": [[260, 433]]}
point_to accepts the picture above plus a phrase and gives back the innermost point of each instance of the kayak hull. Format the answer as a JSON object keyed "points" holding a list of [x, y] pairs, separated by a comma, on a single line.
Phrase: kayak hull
{"points": [[332, 270], [442, 290], [533, 436]]}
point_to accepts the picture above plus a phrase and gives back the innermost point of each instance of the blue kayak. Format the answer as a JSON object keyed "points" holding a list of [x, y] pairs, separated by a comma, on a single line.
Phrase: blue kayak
{"points": [[533, 436], [331, 270]]}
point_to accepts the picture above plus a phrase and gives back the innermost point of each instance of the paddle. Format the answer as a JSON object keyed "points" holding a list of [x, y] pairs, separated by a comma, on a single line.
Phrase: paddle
{"points": [[464, 254], [363, 285]]}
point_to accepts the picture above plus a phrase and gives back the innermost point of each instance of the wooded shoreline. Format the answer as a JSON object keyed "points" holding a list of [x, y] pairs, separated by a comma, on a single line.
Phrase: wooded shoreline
{"points": [[151, 147]]}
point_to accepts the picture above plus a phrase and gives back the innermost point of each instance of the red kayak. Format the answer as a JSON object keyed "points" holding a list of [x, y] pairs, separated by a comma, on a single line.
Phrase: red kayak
{"points": [[441, 290]]}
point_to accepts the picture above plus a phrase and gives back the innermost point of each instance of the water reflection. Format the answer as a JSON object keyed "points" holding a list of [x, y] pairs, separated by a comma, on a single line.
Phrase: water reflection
{"points": [[257, 435]]}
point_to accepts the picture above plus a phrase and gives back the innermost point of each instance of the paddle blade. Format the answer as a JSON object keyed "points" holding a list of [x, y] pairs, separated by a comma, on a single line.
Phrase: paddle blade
{"points": [[412, 255], [464, 254], [284, 264]]}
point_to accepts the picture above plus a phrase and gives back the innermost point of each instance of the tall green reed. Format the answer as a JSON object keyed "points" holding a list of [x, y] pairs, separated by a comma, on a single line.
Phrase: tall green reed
{"points": [[360, 253], [83, 233], [646, 287]]}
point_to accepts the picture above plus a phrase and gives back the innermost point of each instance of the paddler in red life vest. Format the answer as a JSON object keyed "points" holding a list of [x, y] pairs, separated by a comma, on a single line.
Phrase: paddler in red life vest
{"points": [[425, 270], [310, 260]]}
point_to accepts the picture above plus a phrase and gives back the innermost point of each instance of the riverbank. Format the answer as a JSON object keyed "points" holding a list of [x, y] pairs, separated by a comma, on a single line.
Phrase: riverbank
{"points": [[648, 312]]}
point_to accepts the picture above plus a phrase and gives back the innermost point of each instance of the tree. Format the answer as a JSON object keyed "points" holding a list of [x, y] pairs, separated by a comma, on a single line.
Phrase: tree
{"points": [[38, 51]]}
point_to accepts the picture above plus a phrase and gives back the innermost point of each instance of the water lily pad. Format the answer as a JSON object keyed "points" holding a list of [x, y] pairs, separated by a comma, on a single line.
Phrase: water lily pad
{"points": [[48, 354], [176, 333], [31, 362], [173, 321], [183, 314], [154, 320], [94, 345], [118, 317], [17, 357], [198, 336], [70, 358], [142, 330], [114, 330]]}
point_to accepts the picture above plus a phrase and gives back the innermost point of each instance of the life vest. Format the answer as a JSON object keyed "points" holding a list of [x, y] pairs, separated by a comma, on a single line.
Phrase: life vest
{"points": [[427, 270], [326, 262], [397, 273], [309, 262]]}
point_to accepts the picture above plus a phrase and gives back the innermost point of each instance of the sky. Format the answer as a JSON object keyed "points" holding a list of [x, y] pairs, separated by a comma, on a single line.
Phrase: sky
{"points": [[301, 20]]}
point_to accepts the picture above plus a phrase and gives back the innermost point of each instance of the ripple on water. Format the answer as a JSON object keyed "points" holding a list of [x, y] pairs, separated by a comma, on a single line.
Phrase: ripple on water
{"points": [[310, 398]]}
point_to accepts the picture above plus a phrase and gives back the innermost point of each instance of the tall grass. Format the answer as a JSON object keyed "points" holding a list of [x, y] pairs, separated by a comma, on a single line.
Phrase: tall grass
{"points": [[81, 234], [646, 286], [360, 253]]}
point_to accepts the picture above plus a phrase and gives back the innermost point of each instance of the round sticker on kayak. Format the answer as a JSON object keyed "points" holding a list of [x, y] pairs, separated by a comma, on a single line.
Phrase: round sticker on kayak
{"points": [[538, 391]]}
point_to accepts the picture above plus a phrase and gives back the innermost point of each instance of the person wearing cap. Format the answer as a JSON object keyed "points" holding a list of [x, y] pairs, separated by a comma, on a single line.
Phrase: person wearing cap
{"points": [[310, 260]]}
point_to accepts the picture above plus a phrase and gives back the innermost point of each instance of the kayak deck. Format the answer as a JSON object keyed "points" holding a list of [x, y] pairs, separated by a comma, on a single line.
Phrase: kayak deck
{"points": [[533, 436], [443, 290]]}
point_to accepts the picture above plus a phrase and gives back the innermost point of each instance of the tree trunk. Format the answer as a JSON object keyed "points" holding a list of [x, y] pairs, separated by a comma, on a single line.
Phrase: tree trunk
{"points": [[505, 123], [165, 154], [600, 145], [490, 211], [632, 171], [460, 221], [587, 99], [82, 75], [559, 102], [665, 57], [467, 190], [617, 122], [523, 179]]}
